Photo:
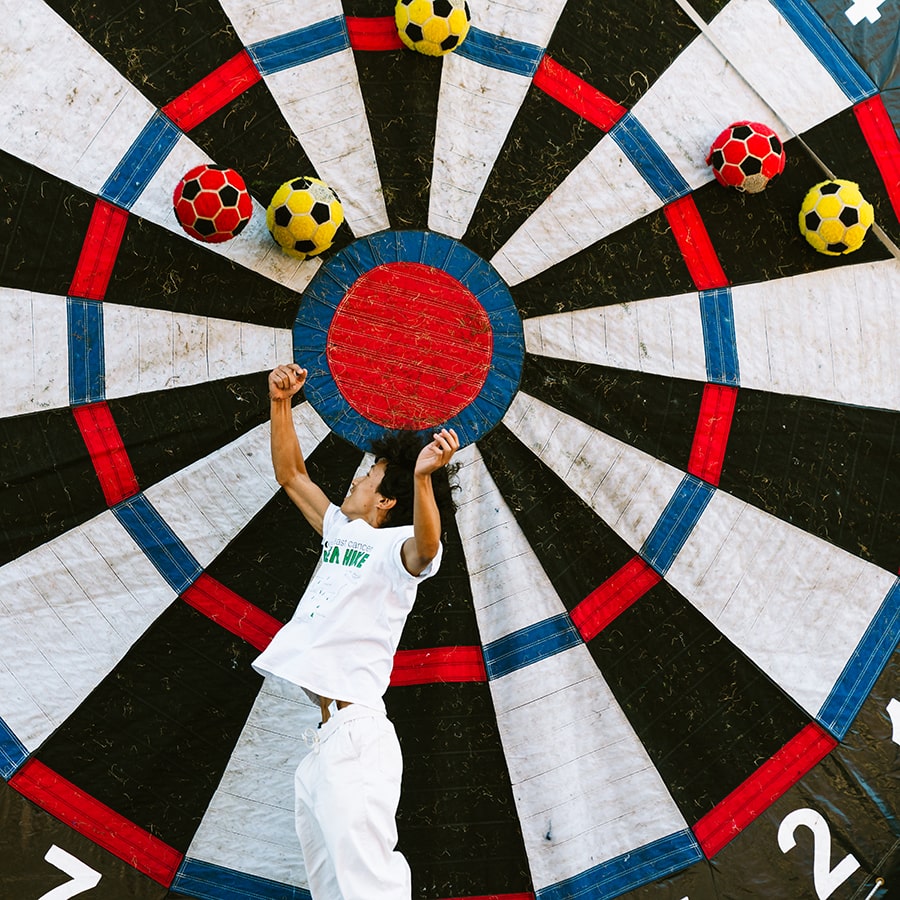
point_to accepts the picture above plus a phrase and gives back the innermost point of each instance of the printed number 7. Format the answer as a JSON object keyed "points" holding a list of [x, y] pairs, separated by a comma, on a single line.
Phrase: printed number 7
{"points": [[83, 876]]}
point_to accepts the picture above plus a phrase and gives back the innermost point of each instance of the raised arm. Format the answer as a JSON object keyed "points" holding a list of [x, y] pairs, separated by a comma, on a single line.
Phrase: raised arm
{"points": [[419, 550], [287, 458]]}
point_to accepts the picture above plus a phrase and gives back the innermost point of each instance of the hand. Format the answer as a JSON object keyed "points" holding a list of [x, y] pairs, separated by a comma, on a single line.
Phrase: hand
{"points": [[285, 381], [438, 453]]}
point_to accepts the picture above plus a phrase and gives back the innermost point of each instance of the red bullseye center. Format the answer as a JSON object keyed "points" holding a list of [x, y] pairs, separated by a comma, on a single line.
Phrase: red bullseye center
{"points": [[409, 346]]}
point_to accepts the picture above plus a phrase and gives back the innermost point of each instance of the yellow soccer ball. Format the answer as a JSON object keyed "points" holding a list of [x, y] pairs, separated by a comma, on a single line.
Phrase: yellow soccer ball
{"points": [[835, 217], [433, 27], [304, 216]]}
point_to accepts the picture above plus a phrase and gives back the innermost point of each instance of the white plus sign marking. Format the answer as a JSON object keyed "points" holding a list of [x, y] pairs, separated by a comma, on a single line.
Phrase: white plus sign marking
{"points": [[864, 9]]}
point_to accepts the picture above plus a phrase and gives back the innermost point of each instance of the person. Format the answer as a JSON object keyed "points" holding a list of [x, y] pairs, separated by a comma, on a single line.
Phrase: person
{"points": [[377, 547]]}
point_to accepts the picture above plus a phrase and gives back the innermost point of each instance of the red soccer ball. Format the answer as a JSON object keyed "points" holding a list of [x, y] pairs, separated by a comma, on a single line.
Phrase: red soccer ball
{"points": [[746, 156], [212, 203]]}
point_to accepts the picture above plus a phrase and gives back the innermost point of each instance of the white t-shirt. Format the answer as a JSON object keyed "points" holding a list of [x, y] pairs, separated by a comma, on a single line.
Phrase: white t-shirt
{"points": [[341, 640]]}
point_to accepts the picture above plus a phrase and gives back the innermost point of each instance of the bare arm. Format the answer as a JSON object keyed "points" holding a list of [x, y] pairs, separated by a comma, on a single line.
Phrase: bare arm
{"points": [[419, 550], [287, 458]]}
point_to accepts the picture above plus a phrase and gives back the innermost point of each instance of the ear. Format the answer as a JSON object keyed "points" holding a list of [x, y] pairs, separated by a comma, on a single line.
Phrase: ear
{"points": [[386, 503]]}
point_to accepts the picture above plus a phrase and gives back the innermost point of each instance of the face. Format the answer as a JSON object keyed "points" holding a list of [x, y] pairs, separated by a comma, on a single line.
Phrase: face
{"points": [[362, 500]]}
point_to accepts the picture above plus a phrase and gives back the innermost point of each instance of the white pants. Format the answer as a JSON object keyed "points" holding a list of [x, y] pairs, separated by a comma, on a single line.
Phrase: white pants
{"points": [[346, 794]]}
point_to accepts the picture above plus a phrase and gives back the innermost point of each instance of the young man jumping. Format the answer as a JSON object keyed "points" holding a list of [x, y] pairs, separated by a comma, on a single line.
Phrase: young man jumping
{"points": [[377, 547]]}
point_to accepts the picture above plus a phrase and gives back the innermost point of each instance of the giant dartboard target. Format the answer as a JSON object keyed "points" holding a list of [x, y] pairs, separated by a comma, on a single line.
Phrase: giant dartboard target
{"points": [[659, 659]]}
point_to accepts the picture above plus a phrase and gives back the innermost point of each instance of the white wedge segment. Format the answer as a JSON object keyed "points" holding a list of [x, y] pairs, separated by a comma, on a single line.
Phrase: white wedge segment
{"points": [[209, 502], [602, 194], [322, 102], [34, 350], [529, 22], [149, 349], [819, 335], [584, 786], [476, 109], [833, 334], [255, 21], [69, 612], [663, 336], [513, 590], [75, 118], [765, 49], [249, 822], [627, 488], [795, 604]]}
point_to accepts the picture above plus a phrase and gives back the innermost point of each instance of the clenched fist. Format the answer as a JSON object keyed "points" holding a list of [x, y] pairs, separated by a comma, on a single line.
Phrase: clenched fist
{"points": [[285, 381]]}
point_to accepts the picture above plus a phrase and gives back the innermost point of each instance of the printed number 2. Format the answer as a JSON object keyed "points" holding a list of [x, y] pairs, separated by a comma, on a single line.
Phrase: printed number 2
{"points": [[825, 879], [83, 876]]}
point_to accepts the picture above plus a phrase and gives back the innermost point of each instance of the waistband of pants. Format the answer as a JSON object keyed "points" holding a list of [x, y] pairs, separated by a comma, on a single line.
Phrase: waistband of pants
{"points": [[348, 714]]}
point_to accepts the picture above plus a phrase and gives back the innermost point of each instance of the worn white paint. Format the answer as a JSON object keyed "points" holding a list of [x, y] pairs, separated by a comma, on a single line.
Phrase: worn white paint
{"points": [[69, 612], [207, 503], [249, 822], [663, 336], [832, 335], [149, 349], [584, 787], [627, 488], [322, 102], [602, 194], [34, 350], [477, 106]]}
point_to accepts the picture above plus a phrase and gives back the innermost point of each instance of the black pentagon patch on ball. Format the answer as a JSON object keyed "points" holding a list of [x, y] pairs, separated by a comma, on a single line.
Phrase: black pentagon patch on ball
{"points": [[320, 212], [812, 220], [283, 216], [300, 184], [849, 216], [205, 227], [829, 187], [837, 248], [191, 189], [717, 159], [442, 8], [305, 246], [775, 144], [229, 195], [751, 165], [414, 32], [450, 42], [742, 132], [240, 227]]}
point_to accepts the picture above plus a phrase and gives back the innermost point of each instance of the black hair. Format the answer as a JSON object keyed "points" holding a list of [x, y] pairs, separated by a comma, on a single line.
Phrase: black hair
{"points": [[399, 450]]}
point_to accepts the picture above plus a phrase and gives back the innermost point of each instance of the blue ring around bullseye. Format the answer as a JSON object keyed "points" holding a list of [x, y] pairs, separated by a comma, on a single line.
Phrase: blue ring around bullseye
{"points": [[336, 276]]}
